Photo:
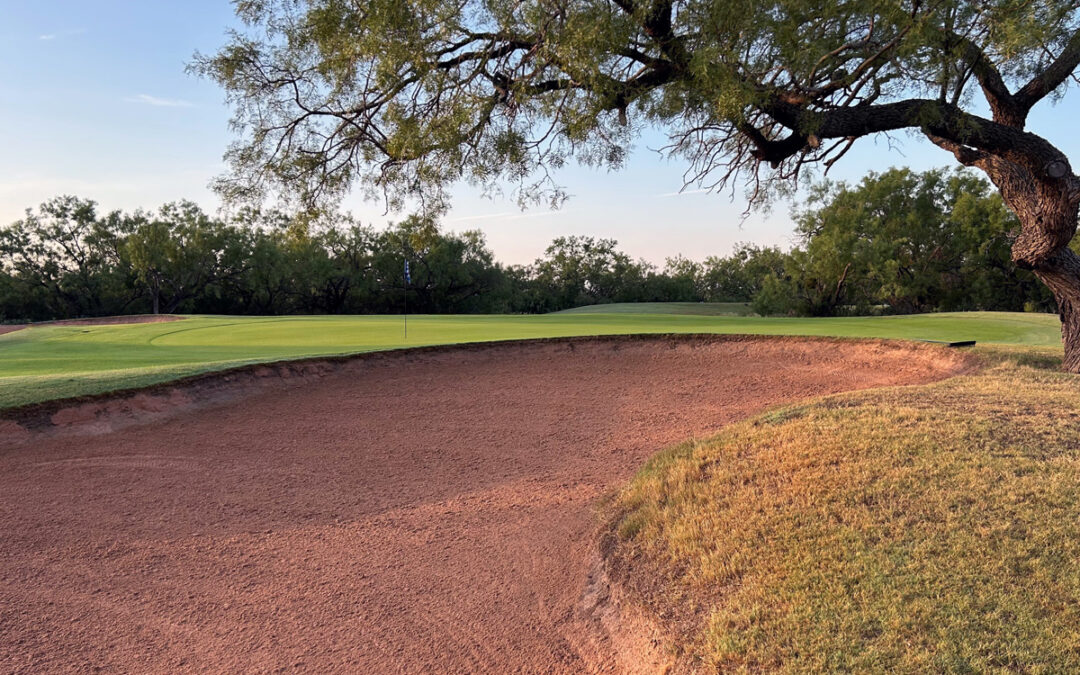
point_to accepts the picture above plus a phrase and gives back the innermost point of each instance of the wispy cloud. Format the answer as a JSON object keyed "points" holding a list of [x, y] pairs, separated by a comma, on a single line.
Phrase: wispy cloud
{"points": [[147, 99], [62, 33], [486, 216], [685, 193], [508, 216]]}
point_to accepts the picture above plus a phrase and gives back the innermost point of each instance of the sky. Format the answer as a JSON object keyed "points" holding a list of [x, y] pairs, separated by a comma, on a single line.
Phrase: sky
{"points": [[95, 102]]}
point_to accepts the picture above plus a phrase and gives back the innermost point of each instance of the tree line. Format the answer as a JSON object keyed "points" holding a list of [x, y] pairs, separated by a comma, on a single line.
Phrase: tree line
{"points": [[898, 242]]}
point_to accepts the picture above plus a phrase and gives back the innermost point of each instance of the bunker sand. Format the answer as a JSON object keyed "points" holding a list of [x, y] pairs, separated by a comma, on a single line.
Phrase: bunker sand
{"points": [[418, 513]]}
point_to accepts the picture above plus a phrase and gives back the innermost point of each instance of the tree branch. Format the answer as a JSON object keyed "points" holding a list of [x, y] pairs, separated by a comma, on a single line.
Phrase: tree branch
{"points": [[935, 118], [1050, 79], [773, 151], [1003, 104]]}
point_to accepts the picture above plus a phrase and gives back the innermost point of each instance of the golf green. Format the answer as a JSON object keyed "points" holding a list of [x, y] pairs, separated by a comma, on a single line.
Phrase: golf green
{"points": [[44, 362]]}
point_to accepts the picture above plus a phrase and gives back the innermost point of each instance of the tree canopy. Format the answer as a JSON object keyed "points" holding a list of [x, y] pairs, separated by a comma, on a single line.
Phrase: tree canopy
{"points": [[407, 97], [411, 95]]}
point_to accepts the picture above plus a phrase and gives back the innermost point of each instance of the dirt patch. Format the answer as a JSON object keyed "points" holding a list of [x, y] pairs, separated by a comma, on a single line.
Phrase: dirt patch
{"points": [[616, 624], [422, 511], [10, 328]]}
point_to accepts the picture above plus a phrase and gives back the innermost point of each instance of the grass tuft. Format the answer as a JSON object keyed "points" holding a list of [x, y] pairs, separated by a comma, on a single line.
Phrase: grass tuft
{"points": [[919, 529]]}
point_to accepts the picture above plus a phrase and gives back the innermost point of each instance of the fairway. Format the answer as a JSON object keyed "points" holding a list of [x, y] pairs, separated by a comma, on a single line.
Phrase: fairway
{"points": [[46, 362]]}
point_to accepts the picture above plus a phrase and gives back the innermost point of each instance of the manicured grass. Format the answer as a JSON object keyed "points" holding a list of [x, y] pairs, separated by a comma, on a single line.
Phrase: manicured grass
{"points": [[49, 361], [692, 308], [918, 529]]}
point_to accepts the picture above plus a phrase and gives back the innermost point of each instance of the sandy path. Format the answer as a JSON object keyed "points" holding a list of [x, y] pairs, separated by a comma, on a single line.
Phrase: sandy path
{"points": [[428, 515]]}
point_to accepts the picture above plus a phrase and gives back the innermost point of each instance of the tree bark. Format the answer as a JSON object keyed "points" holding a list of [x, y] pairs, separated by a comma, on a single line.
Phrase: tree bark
{"points": [[1048, 220], [1047, 207], [1061, 274]]}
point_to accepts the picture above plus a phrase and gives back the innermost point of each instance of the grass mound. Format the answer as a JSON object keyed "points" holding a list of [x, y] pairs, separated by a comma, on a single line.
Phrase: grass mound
{"points": [[920, 529], [683, 308]]}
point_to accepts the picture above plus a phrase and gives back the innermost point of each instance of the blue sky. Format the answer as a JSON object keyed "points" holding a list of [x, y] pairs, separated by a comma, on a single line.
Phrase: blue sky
{"points": [[94, 101]]}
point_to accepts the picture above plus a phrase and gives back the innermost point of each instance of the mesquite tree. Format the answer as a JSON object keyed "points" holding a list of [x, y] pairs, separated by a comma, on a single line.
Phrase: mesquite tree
{"points": [[405, 97]]}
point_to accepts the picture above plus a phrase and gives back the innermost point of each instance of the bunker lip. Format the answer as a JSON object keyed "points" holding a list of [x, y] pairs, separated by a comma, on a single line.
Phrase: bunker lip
{"points": [[413, 511], [202, 390]]}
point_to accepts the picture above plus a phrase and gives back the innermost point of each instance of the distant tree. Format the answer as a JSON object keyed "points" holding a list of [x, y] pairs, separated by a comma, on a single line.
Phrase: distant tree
{"points": [[180, 253], [151, 250], [684, 280], [738, 277], [581, 270], [64, 255], [409, 96], [905, 242], [9, 299], [451, 272], [350, 283], [267, 285], [895, 242]]}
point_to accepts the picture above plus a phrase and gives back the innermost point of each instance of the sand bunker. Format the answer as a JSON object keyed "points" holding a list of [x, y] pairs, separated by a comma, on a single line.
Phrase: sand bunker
{"points": [[421, 512]]}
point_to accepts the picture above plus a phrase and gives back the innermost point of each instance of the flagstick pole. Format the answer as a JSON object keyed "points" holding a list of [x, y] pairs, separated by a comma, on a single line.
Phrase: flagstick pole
{"points": [[405, 316]]}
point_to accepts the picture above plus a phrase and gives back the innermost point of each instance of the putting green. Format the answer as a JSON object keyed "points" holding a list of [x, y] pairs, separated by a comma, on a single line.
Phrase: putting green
{"points": [[692, 308], [50, 361]]}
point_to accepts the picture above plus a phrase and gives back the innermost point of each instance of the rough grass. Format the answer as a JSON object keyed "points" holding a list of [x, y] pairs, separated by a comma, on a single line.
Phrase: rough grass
{"points": [[920, 529], [50, 361]]}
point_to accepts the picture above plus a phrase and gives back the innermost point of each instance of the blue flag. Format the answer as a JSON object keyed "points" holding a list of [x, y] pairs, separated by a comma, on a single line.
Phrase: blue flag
{"points": [[408, 279]]}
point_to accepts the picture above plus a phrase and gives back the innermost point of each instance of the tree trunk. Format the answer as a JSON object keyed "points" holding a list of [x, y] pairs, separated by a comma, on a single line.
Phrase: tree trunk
{"points": [[1061, 274], [1048, 221]]}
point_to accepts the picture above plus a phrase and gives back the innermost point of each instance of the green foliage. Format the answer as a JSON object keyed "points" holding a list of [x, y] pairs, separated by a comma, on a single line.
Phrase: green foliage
{"points": [[410, 96], [898, 242], [584, 271], [64, 261], [405, 98], [777, 296], [740, 276], [906, 242]]}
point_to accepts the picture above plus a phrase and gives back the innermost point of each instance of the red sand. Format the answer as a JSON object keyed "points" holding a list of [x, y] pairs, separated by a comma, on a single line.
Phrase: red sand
{"points": [[423, 513]]}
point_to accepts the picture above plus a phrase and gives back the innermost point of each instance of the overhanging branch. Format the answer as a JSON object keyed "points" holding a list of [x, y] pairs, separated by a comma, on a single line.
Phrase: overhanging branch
{"points": [[1053, 77]]}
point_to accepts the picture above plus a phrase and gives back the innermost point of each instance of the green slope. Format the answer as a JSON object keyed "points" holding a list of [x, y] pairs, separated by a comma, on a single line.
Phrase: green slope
{"points": [[691, 308], [46, 362]]}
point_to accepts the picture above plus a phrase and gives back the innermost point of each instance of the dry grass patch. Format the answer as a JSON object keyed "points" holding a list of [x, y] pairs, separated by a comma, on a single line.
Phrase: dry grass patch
{"points": [[931, 528]]}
